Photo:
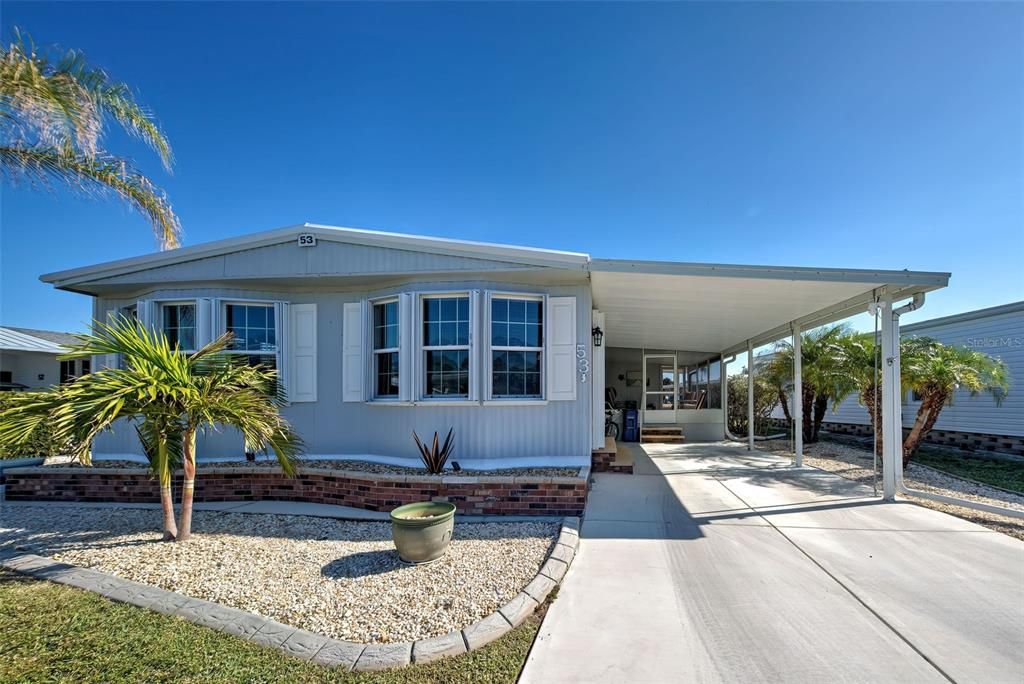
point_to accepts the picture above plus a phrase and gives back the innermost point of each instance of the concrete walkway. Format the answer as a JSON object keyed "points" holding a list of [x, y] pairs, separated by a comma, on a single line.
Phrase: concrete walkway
{"points": [[713, 564]]}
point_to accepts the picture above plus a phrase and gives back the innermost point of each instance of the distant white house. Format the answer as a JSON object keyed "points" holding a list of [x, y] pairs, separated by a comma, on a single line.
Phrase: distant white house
{"points": [[28, 359], [977, 422]]}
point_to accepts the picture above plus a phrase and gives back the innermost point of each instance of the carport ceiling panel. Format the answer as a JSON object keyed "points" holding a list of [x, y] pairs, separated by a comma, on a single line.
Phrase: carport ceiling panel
{"points": [[706, 313]]}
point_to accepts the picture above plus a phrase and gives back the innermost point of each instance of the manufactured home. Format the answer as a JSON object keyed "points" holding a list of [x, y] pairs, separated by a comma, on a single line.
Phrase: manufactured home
{"points": [[376, 335]]}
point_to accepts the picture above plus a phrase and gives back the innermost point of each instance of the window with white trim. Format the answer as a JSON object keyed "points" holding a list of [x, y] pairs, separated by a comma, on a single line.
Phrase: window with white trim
{"points": [[178, 323], [254, 332], [517, 347], [385, 349], [446, 357]]}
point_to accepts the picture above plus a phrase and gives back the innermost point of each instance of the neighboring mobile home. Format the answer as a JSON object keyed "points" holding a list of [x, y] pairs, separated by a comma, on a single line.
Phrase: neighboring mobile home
{"points": [[378, 334], [974, 422], [28, 359]]}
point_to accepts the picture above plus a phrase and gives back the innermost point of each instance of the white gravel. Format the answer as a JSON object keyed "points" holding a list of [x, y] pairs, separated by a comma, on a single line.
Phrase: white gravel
{"points": [[856, 464], [339, 578]]}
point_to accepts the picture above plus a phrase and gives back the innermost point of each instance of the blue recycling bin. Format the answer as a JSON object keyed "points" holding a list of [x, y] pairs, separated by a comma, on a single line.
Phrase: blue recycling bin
{"points": [[630, 425]]}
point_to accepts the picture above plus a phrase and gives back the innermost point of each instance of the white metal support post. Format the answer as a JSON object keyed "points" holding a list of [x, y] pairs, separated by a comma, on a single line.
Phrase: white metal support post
{"points": [[892, 408], [798, 397], [750, 396], [724, 379]]}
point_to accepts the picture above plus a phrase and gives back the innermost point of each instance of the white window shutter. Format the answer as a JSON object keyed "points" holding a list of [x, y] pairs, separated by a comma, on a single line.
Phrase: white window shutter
{"points": [[475, 345], [352, 352], [561, 348], [205, 330], [302, 353], [406, 347], [282, 321]]}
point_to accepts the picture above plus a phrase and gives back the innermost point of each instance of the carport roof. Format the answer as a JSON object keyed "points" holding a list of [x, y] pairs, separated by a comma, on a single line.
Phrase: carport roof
{"points": [[719, 307]]}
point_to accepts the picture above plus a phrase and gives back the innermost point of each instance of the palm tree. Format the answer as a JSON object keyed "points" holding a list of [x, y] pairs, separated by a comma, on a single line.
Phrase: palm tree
{"points": [[174, 394], [934, 371], [52, 114], [824, 381]]}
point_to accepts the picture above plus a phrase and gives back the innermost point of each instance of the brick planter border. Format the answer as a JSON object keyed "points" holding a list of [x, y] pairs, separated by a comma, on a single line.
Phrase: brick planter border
{"points": [[474, 495], [306, 645]]}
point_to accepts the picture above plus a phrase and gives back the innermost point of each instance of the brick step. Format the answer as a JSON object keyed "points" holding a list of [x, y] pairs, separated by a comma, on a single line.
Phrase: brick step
{"points": [[662, 439], [670, 430]]}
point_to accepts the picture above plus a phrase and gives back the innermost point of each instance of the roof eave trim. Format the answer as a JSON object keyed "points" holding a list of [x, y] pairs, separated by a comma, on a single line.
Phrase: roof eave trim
{"points": [[543, 258], [938, 279]]}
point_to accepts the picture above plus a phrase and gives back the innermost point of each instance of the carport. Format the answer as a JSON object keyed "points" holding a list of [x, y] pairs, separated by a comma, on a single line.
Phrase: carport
{"points": [[723, 311]]}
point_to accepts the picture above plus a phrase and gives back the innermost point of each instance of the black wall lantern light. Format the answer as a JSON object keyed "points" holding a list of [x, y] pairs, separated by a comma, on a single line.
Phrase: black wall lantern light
{"points": [[598, 336]]}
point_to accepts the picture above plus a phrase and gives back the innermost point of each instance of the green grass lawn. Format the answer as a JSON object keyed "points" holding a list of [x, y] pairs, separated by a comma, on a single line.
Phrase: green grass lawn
{"points": [[1001, 473], [53, 633]]}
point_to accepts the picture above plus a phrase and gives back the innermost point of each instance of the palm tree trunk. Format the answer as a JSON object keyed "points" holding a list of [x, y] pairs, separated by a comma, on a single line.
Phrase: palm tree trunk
{"points": [[807, 419], [820, 407], [925, 419], [188, 485], [166, 495], [867, 396], [784, 402]]}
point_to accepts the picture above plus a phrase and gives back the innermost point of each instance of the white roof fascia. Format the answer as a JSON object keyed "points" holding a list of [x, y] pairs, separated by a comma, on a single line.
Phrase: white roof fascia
{"points": [[938, 279], [481, 250]]}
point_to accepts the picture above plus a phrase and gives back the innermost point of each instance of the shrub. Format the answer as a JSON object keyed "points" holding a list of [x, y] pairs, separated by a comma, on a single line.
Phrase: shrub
{"points": [[41, 444]]}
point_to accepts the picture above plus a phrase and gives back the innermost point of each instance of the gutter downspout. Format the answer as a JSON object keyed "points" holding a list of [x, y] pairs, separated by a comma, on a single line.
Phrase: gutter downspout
{"points": [[725, 406], [916, 303]]}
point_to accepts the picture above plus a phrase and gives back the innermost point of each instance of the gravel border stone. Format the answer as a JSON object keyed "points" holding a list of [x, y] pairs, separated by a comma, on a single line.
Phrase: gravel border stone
{"points": [[300, 643]]}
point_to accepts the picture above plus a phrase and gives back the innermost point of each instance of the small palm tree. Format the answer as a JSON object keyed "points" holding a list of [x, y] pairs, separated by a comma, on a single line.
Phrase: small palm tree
{"points": [[934, 371], [822, 372], [52, 114], [174, 394]]}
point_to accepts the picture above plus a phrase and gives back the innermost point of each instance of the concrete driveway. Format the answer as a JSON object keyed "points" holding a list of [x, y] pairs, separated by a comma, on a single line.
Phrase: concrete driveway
{"points": [[712, 564]]}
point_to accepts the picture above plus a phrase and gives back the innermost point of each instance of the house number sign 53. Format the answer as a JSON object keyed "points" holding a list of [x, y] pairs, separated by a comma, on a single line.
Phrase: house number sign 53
{"points": [[582, 362]]}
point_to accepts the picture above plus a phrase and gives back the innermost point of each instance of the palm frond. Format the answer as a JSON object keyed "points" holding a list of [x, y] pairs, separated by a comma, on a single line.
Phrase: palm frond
{"points": [[43, 106], [42, 164], [116, 100]]}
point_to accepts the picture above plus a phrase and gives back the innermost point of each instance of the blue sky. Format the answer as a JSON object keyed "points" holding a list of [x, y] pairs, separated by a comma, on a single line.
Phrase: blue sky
{"points": [[861, 135]]}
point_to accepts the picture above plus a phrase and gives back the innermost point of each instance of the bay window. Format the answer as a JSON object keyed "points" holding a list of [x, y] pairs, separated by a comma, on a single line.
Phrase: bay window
{"points": [[254, 330], [178, 323], [517, 347], [446, 354], [385, 349]]}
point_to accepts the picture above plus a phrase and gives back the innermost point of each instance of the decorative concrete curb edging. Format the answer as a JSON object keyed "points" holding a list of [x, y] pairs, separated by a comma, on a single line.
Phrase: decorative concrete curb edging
{"points": [[300, 643], [475, 495]]}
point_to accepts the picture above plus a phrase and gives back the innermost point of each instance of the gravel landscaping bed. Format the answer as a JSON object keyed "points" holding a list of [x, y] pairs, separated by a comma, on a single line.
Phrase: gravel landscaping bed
{"points": [[334, 464], [856, 464], [338, 578]]}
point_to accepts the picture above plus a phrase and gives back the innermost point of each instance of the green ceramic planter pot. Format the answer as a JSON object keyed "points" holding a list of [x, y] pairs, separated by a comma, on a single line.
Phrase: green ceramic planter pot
{"points": [[422, 530]]}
